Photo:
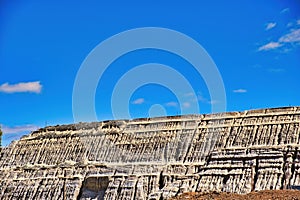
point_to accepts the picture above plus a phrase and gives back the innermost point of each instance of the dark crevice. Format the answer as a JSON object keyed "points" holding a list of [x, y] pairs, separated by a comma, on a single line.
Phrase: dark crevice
{"points": [[227, 139], [161, 180], [255, 133], [295, 155], [256, 173], [283, 169], [161, 196], [238, 132], [190, 144], [225, 179], [166, 152], [80, 191], [197, 186], [119, 190], [279, 135], [287, 133], [64, 190], [135, 189], [208, 159], [177, 193], [148, 191]]}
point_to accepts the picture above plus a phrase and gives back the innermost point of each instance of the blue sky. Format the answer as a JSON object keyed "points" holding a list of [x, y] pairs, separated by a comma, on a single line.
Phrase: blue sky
{"points": [[254, 44]]}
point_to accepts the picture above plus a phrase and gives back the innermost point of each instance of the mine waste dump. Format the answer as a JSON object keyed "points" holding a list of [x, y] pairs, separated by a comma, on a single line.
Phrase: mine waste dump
{"points": [[156, 158]]}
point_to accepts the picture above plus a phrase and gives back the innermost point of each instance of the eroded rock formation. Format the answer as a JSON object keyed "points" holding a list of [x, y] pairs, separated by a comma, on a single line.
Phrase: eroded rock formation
{"points": [[155, 158]]}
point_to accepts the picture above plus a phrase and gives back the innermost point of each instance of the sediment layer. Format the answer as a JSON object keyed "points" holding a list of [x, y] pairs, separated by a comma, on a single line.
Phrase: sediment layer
{"points": [[155, 158]]}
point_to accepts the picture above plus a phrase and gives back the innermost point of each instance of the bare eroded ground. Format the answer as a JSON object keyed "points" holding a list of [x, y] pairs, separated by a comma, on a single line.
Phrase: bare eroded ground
{"points": [[261, 195]]}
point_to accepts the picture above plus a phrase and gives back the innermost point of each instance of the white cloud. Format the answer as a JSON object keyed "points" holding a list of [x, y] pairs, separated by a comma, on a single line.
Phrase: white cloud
{"points": [[34, 87], [186, 104], [240, 91], [193, 97], [269, 46], [213, 102], [293, 36], [202, 99], [293, 24], [138, 101], [190, 94], [285, 10], [18, 129], [172, 104], [270, 25]]}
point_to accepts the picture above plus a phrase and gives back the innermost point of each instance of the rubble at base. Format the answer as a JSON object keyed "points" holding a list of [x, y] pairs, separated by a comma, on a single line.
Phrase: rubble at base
{"points": [[260, 195]]}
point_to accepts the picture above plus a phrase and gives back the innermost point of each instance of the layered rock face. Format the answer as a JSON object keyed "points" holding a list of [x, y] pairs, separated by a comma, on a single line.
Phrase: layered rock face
{"points": [[155, 158]]}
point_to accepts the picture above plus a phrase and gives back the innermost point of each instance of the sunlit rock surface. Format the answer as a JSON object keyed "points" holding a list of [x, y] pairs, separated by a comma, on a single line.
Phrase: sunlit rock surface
{"points": [[155, 158]]}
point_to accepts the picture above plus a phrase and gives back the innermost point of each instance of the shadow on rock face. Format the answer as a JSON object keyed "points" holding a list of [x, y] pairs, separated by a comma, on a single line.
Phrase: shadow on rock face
{"points": [[94, 188]]}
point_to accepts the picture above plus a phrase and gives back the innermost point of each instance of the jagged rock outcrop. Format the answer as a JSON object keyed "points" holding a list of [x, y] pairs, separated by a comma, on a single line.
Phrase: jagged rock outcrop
{"points": [[155, 158]]}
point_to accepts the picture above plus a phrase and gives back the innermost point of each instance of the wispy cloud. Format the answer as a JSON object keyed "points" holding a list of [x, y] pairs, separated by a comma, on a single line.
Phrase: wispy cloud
{"points": [[270, 25], [186, 104], [293, 37], [290, 24], [138, 101], [34, 87], [199, 98], [213, 102], [172, 104], [293, 24], [285, 10], [269, 46], [190, 94], [18, 129], [202, 99], [276, 70], [240, 91]]}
